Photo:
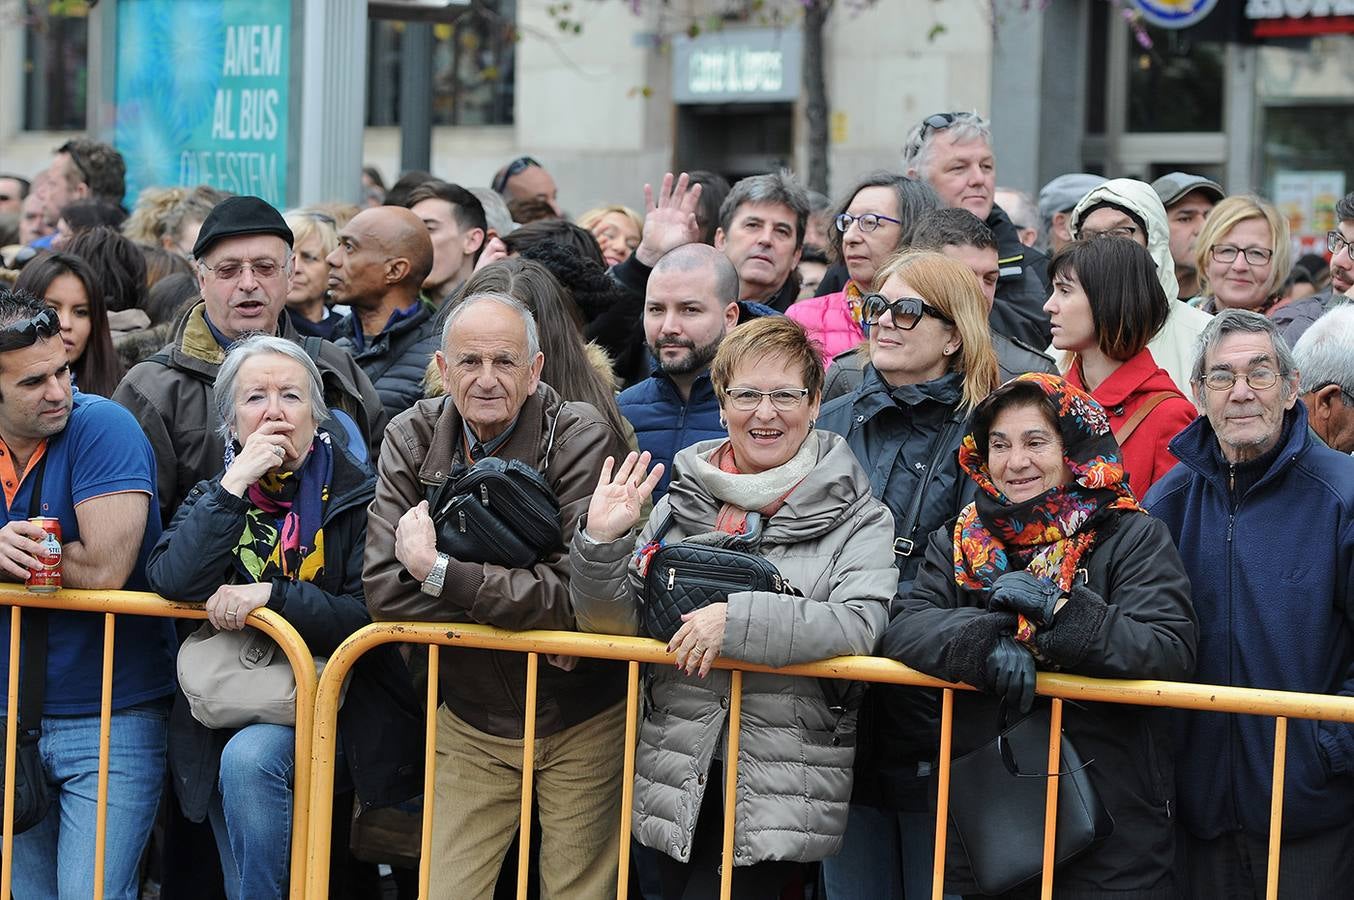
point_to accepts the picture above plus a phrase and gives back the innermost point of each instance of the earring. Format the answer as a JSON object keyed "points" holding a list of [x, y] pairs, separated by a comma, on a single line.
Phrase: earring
{"points": [[813, 423], [724, 423]]}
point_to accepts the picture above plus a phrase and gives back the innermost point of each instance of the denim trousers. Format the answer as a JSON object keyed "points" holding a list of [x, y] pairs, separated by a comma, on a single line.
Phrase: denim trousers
{"points": [[55, 858], [885, 855], [251, 811]]}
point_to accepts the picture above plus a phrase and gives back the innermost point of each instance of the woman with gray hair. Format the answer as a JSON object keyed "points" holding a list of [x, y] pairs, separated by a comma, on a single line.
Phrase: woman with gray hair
{"points": [[284, 527], [873, 222]]}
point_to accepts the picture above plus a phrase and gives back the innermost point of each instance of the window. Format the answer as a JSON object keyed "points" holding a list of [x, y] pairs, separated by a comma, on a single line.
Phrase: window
{"points": [[56, 50], [1176, 85]]}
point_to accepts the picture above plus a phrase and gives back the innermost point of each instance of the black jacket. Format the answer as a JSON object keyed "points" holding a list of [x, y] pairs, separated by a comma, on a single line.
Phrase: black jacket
{"points": [[397, 358], [892, 432], [381, 722], [1013, 358], [1129, 617], [1021, 288]]}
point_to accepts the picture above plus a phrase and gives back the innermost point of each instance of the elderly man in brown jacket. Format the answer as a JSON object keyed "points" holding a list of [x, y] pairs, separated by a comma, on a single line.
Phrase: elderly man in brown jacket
{"points": [[496, 405]]}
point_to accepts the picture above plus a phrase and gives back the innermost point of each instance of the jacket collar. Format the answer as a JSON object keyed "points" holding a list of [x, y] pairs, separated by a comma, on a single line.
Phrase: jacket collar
{"points": [[876, 395], [526, 443], [1139, 373], [1197, 447]]}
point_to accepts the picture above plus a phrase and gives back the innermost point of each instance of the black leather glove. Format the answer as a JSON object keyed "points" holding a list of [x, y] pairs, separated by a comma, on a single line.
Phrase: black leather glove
{"points": [[1010, 673], [1023, 593]]}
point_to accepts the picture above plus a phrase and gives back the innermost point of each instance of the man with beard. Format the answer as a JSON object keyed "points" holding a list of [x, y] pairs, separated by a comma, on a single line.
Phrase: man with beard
{"points": [[1296, 317], [690, 303]]}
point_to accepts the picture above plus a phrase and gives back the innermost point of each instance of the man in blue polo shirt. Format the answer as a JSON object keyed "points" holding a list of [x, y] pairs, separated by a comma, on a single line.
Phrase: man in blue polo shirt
{"points": [[93, 470]]}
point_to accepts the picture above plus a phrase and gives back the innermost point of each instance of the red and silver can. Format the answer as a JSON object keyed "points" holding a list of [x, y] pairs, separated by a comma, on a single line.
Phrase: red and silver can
{"points": [[46, 578]]}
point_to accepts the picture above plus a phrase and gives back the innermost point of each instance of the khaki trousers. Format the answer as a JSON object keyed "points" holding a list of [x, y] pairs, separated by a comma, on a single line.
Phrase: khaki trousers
{"points": [[478, 792]]}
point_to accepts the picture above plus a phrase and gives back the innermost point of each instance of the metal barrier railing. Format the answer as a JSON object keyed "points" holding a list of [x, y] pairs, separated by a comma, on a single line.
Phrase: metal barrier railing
{"points": [[1279, 704], [112, 604]]}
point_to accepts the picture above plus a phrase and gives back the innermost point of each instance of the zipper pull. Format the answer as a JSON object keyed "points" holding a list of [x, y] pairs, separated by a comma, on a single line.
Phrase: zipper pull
{"points": [[672, 578], [484, 494], [460, 519]]}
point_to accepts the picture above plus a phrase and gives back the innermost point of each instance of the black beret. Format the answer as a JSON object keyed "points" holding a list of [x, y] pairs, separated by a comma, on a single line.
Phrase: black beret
{"points": [[239, 215]]}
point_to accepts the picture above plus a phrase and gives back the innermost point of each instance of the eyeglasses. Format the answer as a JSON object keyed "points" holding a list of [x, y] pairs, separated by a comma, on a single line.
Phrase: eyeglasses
{"points": [[516, 167], [231, 269], [1255, 256], [867, 222], [906, 311], [1335, 242], [25, 333], [783, 399], [1118, 231], [1225, 379]]}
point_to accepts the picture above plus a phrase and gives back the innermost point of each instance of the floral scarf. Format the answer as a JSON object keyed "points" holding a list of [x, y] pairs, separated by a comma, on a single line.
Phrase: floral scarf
{"points": [[1045, 535], [282, 535]]}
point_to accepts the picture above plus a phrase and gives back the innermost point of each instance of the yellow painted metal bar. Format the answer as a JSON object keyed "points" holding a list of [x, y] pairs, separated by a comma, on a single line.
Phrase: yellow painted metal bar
{"points": [[425, 856], [731, 782], [943, 793], [11, 752], [628, 778], [105, 735], [528, 777], [1055, 746], [1276, 807]]}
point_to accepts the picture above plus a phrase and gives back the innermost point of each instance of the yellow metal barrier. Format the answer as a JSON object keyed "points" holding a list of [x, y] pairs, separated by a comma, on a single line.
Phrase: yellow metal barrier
{"points": [[115, 603], [1282, 705]]}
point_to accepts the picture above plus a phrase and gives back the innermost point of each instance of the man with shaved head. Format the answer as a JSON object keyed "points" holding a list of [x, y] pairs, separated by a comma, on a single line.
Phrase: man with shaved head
{"points": [[382, 258], [243, 258], [690, 303]]}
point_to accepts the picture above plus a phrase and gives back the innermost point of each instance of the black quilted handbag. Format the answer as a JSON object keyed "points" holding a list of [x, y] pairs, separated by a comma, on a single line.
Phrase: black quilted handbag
{"points": [[498, 511], [687, 576]]}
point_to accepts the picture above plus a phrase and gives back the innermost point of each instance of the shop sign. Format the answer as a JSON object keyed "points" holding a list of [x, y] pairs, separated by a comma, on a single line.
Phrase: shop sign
{"points": [[1174, 13], [737, 66], [202, 92], [1298, 18]]}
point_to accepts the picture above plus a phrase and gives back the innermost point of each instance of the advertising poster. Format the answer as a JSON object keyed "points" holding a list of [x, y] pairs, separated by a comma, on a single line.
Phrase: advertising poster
{"points": [[201, 94], [1307, 200]]}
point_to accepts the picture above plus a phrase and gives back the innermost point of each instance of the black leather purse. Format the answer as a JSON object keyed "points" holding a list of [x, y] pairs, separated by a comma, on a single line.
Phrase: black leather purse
{"points": [[997, 795], [498, 511], [689, 575]]}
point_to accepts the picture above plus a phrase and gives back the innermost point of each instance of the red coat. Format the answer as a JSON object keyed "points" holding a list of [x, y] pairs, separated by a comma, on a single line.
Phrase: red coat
{"points": [[1145, 455]]}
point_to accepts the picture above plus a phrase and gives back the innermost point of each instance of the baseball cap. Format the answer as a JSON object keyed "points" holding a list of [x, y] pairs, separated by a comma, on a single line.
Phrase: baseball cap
{"points": [[1174, 185], [1064, 192], [239, 215]]}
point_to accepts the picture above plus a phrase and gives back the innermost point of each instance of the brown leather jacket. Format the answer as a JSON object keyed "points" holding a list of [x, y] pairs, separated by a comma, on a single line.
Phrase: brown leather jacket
{"points": [[487, 688]]}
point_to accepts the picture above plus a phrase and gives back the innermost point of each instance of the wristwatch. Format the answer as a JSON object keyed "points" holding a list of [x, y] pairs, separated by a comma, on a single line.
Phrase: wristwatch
{"points": [[432, 585]]}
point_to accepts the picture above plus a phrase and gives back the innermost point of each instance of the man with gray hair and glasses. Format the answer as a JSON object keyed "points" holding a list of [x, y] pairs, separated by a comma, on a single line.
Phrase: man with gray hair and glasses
{"points": [[953, 153], [1325, 357], [1263, 516], [497, 406]]}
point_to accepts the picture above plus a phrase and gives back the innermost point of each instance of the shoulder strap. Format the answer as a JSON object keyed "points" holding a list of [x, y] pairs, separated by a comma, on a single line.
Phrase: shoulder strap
{"points": [[33, 657], [1132, 422], [907, 544]]}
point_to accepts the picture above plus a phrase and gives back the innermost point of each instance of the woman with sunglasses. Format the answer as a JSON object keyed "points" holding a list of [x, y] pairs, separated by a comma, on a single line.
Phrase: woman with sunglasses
{"points": [[1107, 303], [802, 495], [1242, 254], [930, 362], [873, 222], [69, 286]]}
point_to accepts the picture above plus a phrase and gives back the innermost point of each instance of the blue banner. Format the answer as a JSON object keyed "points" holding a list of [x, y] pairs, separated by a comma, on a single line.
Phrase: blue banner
{"points": [[202, 91]]}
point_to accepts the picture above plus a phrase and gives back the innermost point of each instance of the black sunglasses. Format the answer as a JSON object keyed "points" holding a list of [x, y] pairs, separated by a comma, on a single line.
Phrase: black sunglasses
{"points": [[25, 333], [516, 167], [937, 122], [906, 311]]}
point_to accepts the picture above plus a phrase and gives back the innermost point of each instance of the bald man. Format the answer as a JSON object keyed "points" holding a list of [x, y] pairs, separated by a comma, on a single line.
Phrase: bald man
{"points": [[383, 256]]}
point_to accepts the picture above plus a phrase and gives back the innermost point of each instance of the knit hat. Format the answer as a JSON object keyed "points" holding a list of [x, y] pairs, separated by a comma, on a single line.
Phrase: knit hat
{"points": [[239, 215]]}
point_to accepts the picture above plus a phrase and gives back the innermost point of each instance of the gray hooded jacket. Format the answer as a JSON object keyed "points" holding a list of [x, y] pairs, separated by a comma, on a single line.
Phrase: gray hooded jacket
{"points": [[834, 542], [1173, 347]]}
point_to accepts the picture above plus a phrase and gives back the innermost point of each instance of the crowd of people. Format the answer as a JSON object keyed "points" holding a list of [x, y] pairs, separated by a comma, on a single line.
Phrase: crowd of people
{"points": [[1106, 432]]}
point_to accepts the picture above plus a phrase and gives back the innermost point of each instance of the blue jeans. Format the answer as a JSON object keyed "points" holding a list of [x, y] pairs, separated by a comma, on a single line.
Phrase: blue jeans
{"points": [[55, 858], [251, 811], [886, 855]]}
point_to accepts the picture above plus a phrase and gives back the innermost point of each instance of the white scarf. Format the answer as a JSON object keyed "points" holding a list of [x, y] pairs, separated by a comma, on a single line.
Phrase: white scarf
{"points": [[756, 492]]}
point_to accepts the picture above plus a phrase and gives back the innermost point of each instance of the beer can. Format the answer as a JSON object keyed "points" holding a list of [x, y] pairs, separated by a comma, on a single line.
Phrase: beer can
{"points": [[47, 577]]}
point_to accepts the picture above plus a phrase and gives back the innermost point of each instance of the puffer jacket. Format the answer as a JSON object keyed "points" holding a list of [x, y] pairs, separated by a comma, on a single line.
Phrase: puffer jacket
{"points": [[171, 396], [829, 322], [665, 423], [832, 540], [1173, 347], [381, 721], [487, 688], [1129, 617], [396, 358]]}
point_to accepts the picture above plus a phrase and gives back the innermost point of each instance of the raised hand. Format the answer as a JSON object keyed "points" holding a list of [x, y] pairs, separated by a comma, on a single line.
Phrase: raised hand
{"points": [[670, 219], [266, 449], [616, 503]]}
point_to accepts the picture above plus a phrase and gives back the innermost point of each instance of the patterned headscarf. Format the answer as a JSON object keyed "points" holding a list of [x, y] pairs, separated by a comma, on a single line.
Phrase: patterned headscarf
{"points": [[1044, 535]]}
